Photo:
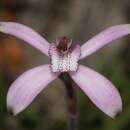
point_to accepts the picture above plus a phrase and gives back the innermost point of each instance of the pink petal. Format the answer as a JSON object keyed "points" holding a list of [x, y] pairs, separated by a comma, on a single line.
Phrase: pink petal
{"points": [[100, 90], [76, 51], [25, 33], [104, 38], [28, 86]]}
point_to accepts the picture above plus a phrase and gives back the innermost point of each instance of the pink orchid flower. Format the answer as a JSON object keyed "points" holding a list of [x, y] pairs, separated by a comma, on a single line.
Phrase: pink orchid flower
{"points": [[64, 58]]}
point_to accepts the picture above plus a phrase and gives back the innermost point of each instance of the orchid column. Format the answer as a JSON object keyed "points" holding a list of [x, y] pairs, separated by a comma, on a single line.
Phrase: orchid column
{"points": [[64, 60]]}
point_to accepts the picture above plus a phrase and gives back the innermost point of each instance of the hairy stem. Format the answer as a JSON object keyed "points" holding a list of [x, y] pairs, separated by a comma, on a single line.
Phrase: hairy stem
{"points": [[72, 103]]}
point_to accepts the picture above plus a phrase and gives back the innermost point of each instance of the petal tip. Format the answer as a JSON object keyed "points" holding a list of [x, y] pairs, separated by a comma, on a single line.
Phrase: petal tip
{"points": [[1, 26], [116, 114], [11, 111]]}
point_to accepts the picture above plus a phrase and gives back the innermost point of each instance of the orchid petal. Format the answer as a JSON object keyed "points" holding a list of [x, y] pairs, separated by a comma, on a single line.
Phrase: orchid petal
{"points": [[101, 91], [23, 91], [25, 33], [104, 38]]}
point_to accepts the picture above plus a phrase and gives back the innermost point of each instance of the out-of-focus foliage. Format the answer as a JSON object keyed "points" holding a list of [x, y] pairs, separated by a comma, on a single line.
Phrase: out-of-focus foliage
{"points": [[81, 19]]}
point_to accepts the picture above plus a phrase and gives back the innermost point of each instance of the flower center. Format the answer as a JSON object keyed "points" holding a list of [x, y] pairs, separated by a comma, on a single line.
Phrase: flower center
{"points": [[64, 58]]}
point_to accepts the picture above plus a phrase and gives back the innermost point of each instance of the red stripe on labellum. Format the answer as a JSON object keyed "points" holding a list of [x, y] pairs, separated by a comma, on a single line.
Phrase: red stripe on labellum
{"points": [[64, 44]]}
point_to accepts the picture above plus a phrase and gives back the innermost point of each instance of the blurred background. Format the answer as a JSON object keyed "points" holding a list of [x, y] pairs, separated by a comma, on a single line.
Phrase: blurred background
{"points": [[81, 20]]}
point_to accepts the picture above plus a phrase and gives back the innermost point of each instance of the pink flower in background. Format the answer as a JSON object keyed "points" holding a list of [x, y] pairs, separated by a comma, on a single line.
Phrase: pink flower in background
{"points": [[64, 58]]}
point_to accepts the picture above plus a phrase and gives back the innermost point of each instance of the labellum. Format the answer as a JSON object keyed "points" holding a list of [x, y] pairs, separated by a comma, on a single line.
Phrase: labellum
{"points": [[64, 58]]}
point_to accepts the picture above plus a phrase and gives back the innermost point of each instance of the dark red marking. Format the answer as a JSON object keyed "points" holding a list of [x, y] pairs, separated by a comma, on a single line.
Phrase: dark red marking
{"points": [[64, 43]]}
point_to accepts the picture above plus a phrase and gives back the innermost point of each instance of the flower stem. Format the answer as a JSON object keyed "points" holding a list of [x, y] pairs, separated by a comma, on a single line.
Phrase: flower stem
{"points": [[71, 100]]}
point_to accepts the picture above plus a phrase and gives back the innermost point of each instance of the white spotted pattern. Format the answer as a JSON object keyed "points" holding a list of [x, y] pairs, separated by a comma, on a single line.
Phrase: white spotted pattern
{"points": [[61, 62]]}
